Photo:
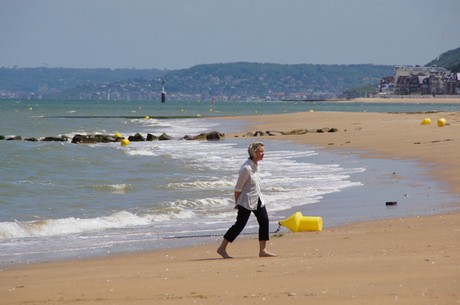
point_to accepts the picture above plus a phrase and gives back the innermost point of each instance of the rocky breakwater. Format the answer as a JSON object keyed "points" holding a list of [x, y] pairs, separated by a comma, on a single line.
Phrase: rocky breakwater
{"points": [[207, 136], [300, 131], [105, 138]]}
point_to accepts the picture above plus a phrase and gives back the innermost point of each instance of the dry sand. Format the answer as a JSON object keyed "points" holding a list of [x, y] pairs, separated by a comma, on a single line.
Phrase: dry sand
{"points": [[396, 261]]}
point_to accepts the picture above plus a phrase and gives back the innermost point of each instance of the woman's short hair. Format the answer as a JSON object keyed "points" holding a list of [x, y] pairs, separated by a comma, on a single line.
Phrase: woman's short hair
{"points": [[253, 148]]}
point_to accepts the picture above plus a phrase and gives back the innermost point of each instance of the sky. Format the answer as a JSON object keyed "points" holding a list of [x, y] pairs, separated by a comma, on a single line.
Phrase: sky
{"points": [[177, 34]]}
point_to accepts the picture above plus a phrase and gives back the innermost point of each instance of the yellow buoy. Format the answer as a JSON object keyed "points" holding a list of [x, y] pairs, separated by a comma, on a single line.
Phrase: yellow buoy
{"points": [[118, 135], [147, 117], [124, 142], [299, 223], [426, 121], [442, 122], [30, 108]]}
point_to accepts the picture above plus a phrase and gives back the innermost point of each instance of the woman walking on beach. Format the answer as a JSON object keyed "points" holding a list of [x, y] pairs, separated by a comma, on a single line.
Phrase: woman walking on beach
{"points": [[248, 198]]}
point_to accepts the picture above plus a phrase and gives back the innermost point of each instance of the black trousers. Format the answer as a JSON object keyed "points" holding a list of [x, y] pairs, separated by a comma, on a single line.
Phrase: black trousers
{"points": [[243, 217]]}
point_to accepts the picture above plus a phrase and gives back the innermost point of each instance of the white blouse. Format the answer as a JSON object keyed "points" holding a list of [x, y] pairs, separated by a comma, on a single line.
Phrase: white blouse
{"points": [[248, 184]]}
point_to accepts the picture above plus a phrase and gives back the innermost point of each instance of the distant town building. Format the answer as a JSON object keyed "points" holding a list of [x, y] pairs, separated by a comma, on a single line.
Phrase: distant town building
{"points": [[409, 80]]}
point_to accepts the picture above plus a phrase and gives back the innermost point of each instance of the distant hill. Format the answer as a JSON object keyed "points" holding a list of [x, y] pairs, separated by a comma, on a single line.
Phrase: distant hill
{"points": [[263, 80], [240, 81], [244, 81], [449, 60], [47, 80]]}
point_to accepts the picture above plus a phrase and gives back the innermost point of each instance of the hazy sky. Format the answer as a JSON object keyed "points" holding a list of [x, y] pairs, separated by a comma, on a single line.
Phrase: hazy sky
{"points": [[174, 34]]}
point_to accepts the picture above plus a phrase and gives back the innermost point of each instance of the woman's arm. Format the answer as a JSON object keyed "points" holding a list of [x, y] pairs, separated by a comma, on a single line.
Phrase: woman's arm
{"points": [[237, 195], [242, 178]]}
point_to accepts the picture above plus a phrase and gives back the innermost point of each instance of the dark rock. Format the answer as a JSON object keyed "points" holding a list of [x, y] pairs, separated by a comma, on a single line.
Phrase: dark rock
{"points": [[56, 139], [214, 136], [79, 138], [295, 132], [188, 138], [164, 137], [333, 130], [31, 139], [2, 137], [322, 130], [274, 133], [151, 137], [100, 138], [200, 137], [136, 138], [248, 134], [210, 136], [15, 138], [259, 133], [91, 139]]}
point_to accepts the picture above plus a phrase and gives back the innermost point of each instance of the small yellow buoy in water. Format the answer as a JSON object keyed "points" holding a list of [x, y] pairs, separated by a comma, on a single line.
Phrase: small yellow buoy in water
{"points": [[426, 121], [441, 122], [30, 108], [118, 135], [311, 110], [211, 110], [147, 117], [124, 142]]}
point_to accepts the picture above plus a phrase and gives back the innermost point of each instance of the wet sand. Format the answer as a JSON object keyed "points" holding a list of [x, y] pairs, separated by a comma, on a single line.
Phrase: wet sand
{"points": [[414, 260]]}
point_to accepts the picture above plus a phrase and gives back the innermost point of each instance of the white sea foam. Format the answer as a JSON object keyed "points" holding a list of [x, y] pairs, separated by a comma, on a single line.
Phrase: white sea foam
{"points": [[203, 185], [70, 225]]}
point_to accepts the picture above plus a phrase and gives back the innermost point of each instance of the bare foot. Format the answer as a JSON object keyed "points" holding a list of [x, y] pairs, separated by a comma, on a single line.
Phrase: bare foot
{"points": [[223, 253], [266, 254]]}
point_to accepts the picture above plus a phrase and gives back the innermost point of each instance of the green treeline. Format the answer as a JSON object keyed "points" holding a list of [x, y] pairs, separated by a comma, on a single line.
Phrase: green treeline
{"points": [[449, 60]]}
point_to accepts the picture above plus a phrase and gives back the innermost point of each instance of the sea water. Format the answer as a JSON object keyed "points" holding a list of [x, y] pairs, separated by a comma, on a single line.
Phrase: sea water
{"points": [[63, 200]]}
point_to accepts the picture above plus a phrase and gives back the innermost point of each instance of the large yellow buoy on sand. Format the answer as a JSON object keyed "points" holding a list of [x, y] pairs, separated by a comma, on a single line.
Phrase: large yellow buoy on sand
{"points": [[124, 142], [442, 122], [299, 223], [426, 121]]}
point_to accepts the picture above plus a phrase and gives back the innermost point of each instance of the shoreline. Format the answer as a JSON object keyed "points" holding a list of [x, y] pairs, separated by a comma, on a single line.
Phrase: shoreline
{"points": [[413, 260], [409, 99]]}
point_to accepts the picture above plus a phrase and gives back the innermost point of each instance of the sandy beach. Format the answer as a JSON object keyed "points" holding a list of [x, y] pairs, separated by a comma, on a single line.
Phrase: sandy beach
{"points": [[394, 261]]}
